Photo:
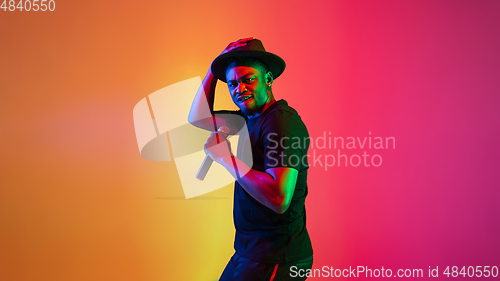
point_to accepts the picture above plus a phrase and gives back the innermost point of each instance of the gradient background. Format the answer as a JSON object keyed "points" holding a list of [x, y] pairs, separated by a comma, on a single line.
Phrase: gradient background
{"points": [[77, 201]]}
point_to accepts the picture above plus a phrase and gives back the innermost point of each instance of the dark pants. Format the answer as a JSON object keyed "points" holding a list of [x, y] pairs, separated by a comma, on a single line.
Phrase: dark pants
{"points": [[242, 269]]}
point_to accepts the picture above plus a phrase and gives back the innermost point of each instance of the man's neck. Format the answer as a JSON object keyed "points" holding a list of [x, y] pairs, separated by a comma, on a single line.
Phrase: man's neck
{"points": [[270, 101]]}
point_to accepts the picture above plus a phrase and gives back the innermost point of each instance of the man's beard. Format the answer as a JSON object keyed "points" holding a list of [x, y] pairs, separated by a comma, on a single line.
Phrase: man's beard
{"points": [[252, 111]]}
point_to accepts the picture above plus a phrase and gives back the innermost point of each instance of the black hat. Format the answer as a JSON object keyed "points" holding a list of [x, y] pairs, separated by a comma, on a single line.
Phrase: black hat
{"points": [[253, 49]]}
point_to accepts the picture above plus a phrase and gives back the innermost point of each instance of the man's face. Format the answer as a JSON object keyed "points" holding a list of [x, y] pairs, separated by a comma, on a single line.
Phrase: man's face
{"points": [[247, 87]]}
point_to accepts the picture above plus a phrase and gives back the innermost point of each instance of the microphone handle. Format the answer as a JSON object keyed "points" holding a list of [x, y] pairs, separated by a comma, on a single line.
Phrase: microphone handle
{"points": [[207, 162], [205, 166]]}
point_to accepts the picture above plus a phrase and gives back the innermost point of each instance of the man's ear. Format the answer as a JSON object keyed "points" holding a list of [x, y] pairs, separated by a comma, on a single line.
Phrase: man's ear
{"points": [[269, 78]]}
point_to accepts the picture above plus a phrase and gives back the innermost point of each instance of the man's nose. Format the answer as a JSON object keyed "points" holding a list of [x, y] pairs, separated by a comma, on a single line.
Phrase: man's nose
{"points": [[241, 89]]}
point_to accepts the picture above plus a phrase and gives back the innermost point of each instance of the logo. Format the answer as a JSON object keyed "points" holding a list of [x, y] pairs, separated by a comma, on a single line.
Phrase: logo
{"points": [[163, 134]]}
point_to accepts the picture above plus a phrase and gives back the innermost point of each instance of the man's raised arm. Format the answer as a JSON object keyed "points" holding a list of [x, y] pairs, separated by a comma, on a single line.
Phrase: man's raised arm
{"points": [[202, 112]]}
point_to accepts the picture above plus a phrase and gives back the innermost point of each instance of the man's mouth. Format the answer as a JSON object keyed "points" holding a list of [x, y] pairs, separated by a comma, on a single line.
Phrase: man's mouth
{"points": [[244, 98]]}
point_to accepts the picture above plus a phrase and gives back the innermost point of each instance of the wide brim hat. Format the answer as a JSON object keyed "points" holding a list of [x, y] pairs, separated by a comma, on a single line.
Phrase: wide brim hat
{"points": [[253, 49]]}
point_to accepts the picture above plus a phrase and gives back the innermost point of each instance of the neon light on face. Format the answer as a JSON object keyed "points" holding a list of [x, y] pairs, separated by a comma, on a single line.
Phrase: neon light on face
{"points": [[248, 88]]}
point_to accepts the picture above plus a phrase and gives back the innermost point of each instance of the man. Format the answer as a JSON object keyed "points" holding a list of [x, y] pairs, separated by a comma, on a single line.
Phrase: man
{"points": [[271, 241]]}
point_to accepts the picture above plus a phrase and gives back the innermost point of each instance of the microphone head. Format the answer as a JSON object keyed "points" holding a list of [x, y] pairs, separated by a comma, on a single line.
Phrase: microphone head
{"points": [[223, 129]]}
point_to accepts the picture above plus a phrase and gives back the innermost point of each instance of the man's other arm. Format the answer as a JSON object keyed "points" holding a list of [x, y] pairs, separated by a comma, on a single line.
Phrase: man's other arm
{"points": [[273, 188]]}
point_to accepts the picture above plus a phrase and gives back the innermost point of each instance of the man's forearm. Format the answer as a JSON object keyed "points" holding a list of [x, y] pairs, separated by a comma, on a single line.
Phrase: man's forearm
{"points": [[262, 186], [203, 103]]}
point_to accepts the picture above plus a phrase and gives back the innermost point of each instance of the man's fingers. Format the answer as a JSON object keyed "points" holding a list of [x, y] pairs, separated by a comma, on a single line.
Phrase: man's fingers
{"points": [[212, 140], [246, 39], [236, 44], [217, 136], [221, 150], [222, 135]]}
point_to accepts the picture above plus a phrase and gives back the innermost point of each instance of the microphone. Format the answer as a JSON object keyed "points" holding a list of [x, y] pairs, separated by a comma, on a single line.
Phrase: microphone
{"points": [[207, 162]]}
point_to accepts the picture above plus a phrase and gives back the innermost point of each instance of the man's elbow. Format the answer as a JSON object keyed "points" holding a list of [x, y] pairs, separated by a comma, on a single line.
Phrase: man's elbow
{"points": [[285, 180], [202, 123], [194, 117], [281, 207], [196, 122], [191, 118]]}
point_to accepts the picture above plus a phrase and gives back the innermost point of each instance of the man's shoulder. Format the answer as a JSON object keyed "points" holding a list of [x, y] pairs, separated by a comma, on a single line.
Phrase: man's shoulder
{"points": [[284, 119], [282, 110]]}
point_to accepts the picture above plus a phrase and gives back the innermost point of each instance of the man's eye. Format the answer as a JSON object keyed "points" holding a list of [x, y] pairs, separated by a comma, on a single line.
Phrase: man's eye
{"points": [[249, 80]]}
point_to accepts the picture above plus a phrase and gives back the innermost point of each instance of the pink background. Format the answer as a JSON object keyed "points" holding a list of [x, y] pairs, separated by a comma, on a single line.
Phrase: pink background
{"points": [[77, 201]]}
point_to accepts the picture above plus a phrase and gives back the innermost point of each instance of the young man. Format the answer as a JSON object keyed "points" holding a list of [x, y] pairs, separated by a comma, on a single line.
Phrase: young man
{"points": [[271, 241]]}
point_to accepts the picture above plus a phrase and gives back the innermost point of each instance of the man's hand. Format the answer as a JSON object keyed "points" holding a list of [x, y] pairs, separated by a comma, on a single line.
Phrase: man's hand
{"points": [[218, 147], [237, 44]]}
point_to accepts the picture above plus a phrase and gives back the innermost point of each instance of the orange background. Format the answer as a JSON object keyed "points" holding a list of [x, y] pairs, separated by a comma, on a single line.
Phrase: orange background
{"points": [[77, 201]]}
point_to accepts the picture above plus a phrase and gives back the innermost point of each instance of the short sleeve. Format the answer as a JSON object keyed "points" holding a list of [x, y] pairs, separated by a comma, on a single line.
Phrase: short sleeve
{"points": [[285, 140]]}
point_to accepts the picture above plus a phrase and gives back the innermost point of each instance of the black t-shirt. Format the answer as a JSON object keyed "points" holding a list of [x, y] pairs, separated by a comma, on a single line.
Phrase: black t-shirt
{"points": [[278, 138]]}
